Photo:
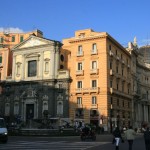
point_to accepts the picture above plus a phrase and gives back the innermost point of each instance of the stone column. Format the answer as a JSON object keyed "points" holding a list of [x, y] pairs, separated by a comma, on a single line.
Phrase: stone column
{"points": [[41, 65], [52, 63], [23, 67], [14, 67], [56, 61]]}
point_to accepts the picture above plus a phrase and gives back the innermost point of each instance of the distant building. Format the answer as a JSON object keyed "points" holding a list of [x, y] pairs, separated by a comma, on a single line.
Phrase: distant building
{"points": [[7, 41], [141, 84], [145, 52]]}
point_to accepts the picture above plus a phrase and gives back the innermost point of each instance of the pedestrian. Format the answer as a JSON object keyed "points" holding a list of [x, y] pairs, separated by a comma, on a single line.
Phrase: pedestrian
{"points": [[147, 138], [117, 137], [130, 135]]}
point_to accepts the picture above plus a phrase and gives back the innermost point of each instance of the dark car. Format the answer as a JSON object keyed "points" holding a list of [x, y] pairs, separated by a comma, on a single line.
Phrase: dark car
{"points": [[3, 131]]}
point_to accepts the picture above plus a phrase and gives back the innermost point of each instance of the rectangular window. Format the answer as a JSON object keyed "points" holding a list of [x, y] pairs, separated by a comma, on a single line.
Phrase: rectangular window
{"points": [[0, 59], [111, 84], [116, 69], [117, 102], [94, 47], [116, 52], [32, 68], [79, 100], [117, 86], [111, 100], [13, 39], [1, 40], [122, 72], [94, 83], [94, 100], [122, 86], [80, 49], [79, 84], [60, 89], [21, 38], [94, 65], [123, 103], [80, 66], [110, 65], [110, 47]]}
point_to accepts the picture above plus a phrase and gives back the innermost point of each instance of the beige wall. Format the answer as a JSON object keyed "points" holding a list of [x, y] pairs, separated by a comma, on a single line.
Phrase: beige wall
{"points": [[86, 38]]}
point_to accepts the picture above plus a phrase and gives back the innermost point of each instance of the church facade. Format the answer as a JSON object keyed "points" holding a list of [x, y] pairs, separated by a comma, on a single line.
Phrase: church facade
{"points": [[37, 85]]}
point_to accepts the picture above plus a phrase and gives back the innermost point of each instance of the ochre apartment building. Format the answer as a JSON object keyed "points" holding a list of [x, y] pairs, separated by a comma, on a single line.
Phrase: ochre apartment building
{"points": [[100, 91], [7, 41]]}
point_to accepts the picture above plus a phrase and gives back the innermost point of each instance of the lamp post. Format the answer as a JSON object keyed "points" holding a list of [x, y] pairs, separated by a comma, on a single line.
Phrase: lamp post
{"points": [[111, 118]]}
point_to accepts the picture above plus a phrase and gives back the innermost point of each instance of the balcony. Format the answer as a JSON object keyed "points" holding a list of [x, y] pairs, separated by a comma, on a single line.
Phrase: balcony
{"points": [[117, 57], [79, 54], [128, 80], [80, 72], [79, 105], [111, 53], [128, 66], [118, 75], [94, 52], [117, 92], [123, 78], [63, 74], [112, 72], [87, 90], [94, 71], [94, 106]]}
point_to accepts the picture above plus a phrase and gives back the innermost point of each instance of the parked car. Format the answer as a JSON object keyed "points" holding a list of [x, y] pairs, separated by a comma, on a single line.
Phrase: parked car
{"points": [[3, 131]]}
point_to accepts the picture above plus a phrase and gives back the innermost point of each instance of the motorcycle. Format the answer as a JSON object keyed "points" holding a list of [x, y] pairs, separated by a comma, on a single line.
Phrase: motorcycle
{"points": [[88, 135]]}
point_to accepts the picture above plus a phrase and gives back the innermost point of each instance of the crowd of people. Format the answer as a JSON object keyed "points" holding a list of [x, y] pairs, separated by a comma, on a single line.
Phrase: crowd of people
{"points": [[129, 134]]}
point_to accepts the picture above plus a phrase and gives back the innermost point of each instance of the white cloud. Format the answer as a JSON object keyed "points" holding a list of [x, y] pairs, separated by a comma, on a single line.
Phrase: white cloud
{"points": [[11, 30]]}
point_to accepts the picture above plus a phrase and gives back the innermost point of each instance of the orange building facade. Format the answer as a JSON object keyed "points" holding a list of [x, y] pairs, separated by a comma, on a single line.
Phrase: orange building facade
{"points": [[7, 41], [100, 91]]}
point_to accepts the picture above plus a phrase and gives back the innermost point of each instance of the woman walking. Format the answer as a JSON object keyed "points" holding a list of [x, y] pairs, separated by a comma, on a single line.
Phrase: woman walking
{"points": [[117, 136]]}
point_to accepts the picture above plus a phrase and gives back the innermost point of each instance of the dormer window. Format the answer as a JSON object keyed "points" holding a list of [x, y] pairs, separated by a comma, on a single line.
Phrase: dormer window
{"points": [[81, 35]]}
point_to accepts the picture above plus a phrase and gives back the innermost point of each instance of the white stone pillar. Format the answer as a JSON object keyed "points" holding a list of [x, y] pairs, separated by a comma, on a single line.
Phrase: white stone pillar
{"points": [[56, 61], [23, 67], [40, 68], [14, 67], [52, 63]]}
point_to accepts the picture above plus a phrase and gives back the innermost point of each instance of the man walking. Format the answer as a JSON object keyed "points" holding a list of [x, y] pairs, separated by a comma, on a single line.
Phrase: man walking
{"points": [[130, 135], [147, 139]]}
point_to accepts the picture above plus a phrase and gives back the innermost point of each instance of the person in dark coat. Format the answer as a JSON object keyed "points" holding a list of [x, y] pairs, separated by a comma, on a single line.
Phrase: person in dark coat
{"points": [[117, 136], [147, 138]]}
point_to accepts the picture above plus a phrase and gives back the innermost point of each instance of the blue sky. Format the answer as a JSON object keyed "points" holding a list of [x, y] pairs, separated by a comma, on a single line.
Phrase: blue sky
{"points": [[58, 19]]}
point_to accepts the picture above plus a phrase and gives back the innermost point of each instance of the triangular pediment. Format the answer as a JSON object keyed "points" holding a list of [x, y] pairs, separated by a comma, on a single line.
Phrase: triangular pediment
{"points": [[31, 42]]}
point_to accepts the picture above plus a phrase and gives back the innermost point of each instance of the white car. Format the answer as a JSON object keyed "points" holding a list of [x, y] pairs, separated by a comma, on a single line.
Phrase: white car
{"points": [[3, 131]]}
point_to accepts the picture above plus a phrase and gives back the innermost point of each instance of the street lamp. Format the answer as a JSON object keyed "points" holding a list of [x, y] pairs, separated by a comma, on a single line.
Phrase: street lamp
{"points": [[111, 118]]}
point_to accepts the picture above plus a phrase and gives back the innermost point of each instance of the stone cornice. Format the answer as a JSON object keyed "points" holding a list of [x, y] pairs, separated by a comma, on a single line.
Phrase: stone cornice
{"points": [[75, 40]]}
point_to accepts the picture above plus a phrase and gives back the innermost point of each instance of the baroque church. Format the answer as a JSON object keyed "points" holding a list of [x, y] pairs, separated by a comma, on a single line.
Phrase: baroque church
{"points": [[37, 84]]}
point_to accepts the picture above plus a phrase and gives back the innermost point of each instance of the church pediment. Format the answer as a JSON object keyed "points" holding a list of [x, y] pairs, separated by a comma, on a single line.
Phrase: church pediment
{"points": [[31, 42]]}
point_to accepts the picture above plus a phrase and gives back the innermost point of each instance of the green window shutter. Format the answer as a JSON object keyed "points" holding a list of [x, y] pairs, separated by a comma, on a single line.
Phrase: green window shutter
{"points": [[13, 38], [21, 38], [1, 40], [0, 59]]}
